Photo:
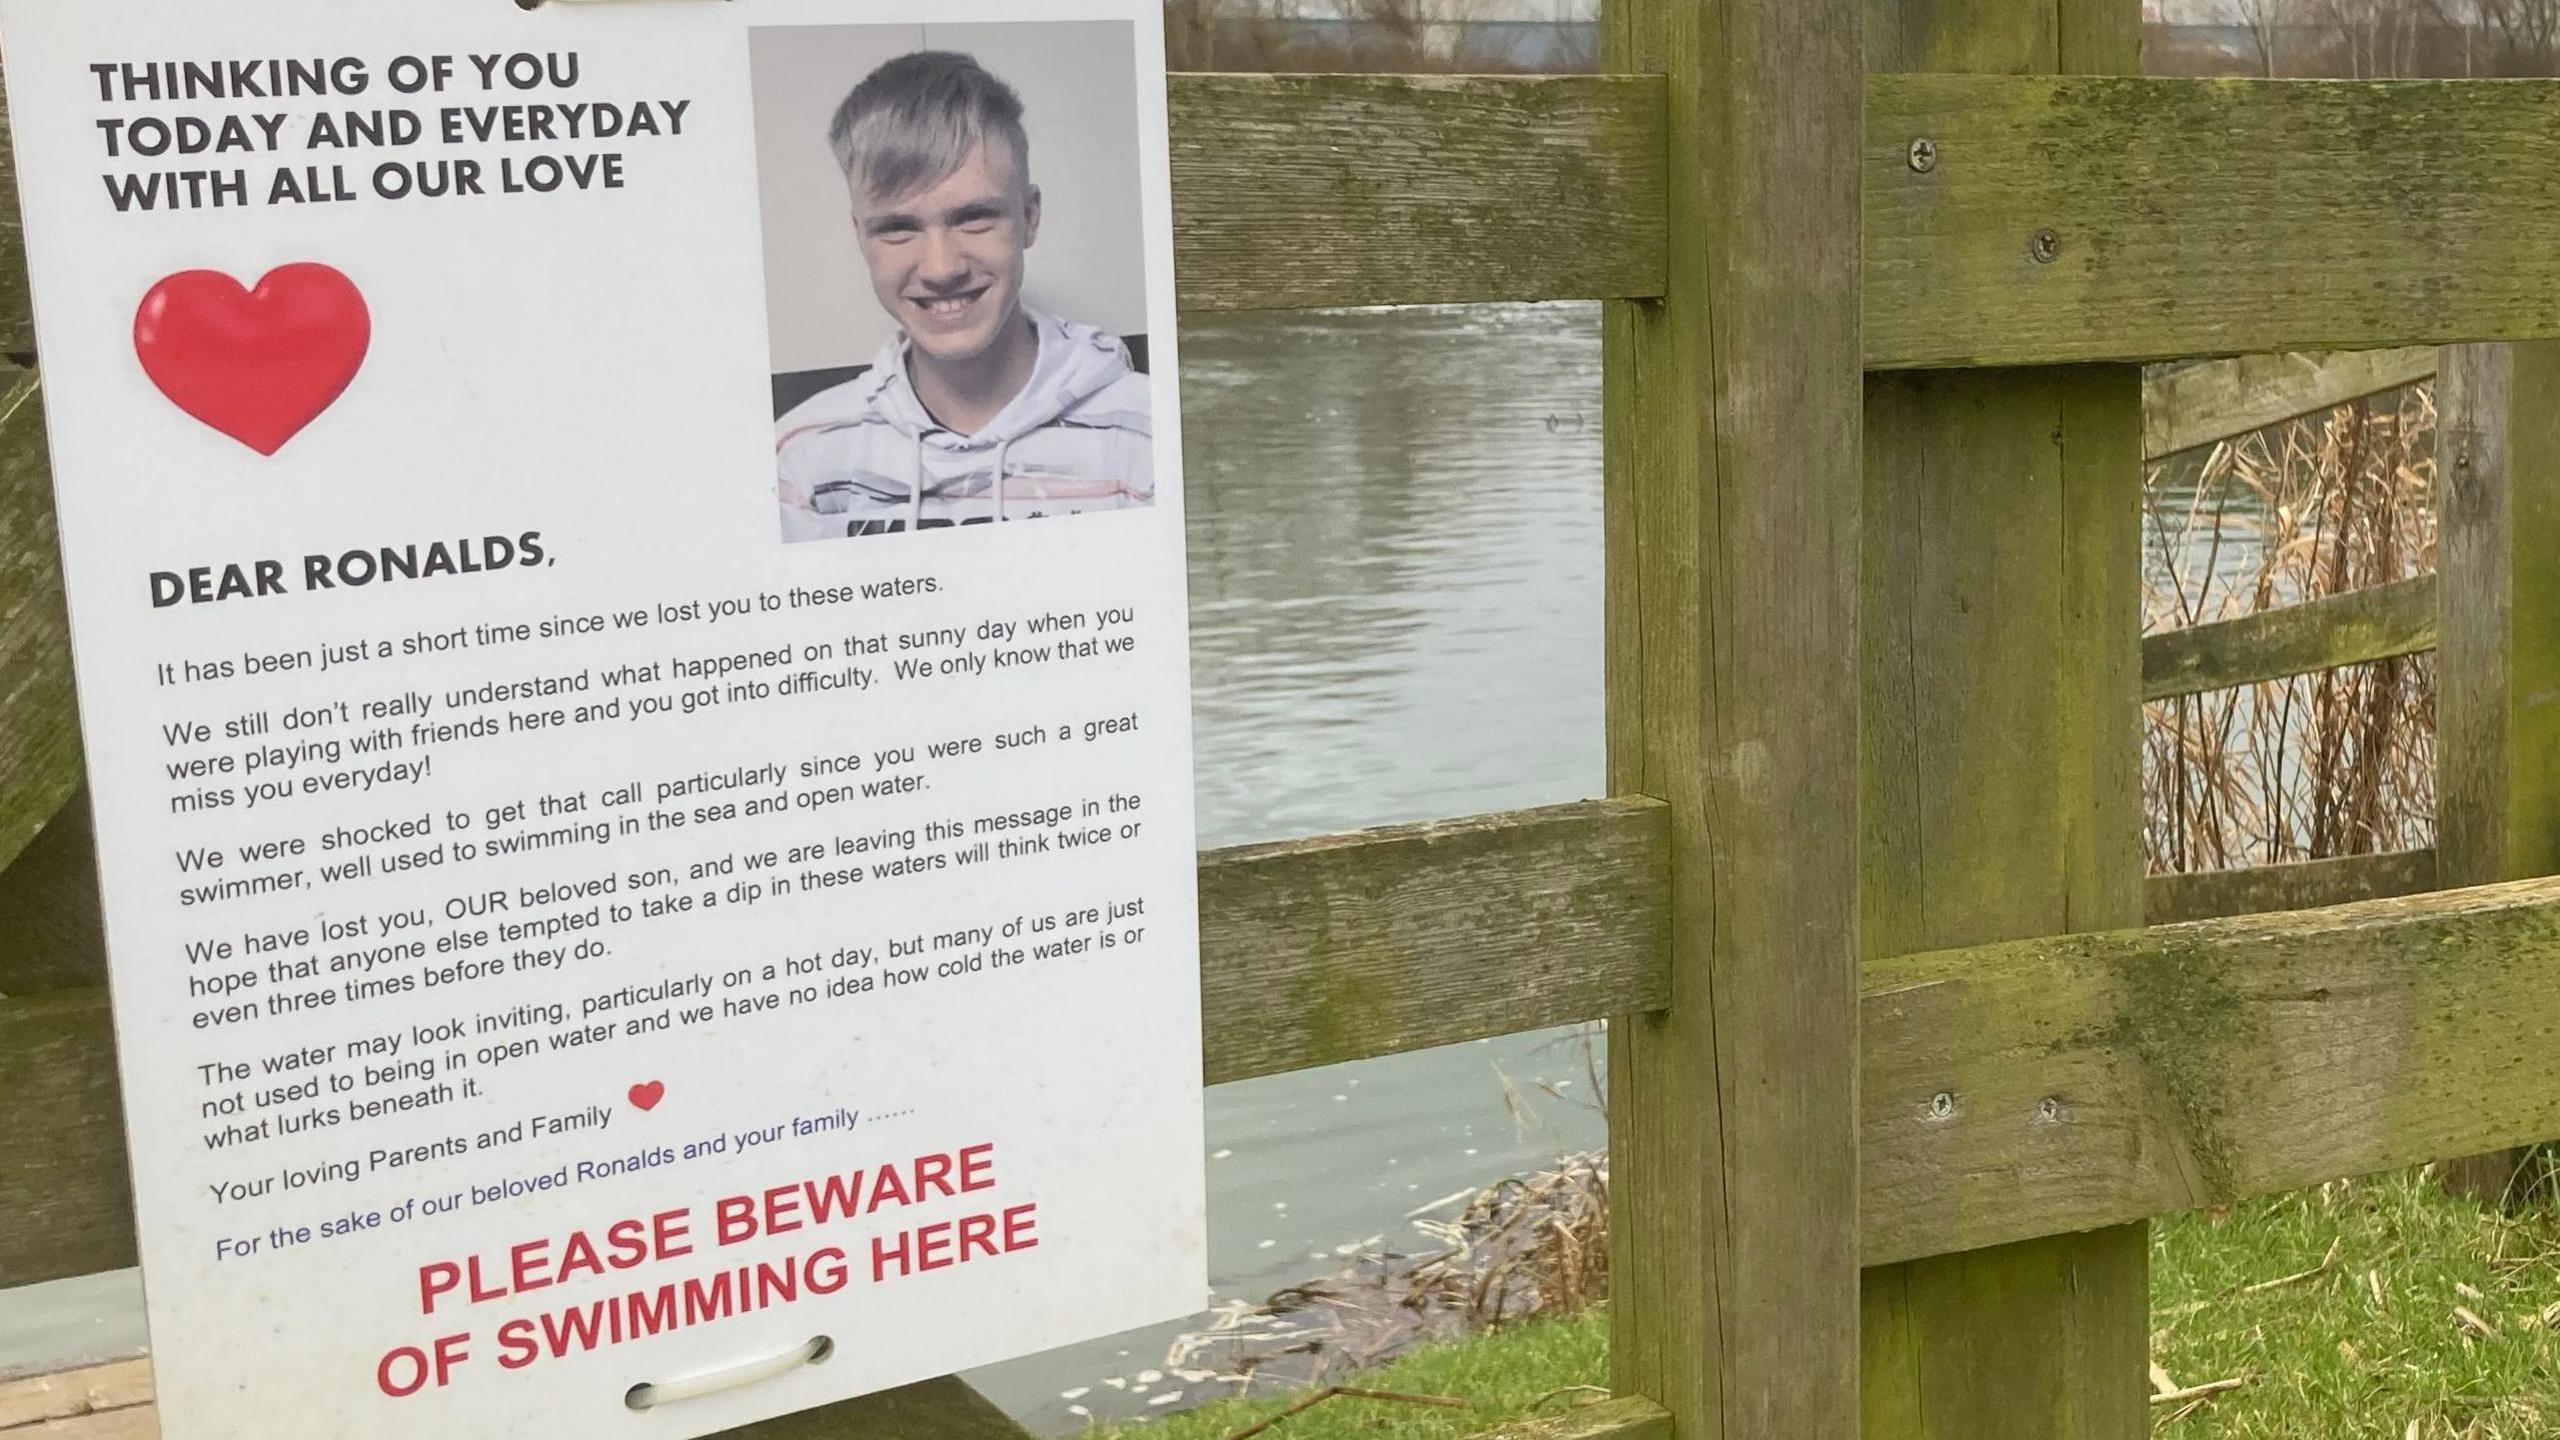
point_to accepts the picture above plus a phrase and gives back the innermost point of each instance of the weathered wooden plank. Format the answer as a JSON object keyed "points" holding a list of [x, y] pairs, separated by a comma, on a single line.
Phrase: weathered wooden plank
{"points": [[2306, 885], [2002, 574], [2497, 776], [1630, 1417], [2042, 1086], [115, 1402], [1332, 943], [2205, 217], [1292, 191], [53, 938], [2498, 734], [1732, 442], [2185, 407], [131, 1422], [1312, 952], [73, 1394], [2375, 623], [39, 731], [17, 330], [2003, 793], [63, 1182], [1319, 951]]}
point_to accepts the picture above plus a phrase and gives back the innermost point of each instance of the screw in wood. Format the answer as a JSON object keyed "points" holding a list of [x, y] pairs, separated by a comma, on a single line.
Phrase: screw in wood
{"points": [[2045, 246], [1924, 155], [1941, 1105]]}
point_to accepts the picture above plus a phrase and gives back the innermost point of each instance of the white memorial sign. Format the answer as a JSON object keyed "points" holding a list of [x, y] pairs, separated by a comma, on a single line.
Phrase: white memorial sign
{"points": [[625, 562]]}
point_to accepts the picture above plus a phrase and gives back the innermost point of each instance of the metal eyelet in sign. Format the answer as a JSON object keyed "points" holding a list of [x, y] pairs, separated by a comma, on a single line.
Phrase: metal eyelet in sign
{"points": [[650, 1394]]}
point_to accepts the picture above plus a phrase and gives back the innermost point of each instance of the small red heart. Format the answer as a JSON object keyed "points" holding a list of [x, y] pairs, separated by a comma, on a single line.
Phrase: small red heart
{"points": [[647, 1096], [257, 365]]}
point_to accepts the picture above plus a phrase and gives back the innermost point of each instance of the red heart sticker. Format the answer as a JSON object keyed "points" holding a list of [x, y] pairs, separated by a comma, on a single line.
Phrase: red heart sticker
{"points": [[647, 1096], [257, 365]]}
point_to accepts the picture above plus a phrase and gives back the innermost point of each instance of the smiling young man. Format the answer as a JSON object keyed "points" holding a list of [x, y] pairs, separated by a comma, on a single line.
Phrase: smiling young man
{"points": [[979, 409]]}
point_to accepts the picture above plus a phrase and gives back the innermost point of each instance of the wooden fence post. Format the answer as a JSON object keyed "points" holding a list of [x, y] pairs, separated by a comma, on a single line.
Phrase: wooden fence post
{"points": [[1733, 494], [2498, 650], [2003, 797], [39, 729]]}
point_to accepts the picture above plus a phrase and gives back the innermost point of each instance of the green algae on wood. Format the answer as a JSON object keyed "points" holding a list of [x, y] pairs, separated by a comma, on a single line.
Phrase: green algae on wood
{"points": [[1730, 459], [2206, 217], [2096, 1079]]}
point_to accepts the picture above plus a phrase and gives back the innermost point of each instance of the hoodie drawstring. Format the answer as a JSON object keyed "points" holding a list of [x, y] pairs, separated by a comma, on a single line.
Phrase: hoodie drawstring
{"points": [[915, 487], [915, 490]]}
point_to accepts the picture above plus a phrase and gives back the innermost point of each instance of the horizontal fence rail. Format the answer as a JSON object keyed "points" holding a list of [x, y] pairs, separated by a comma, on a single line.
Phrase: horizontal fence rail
{"points": [[2044, 1086], [2010, 1091], [2086, 219], [1300, 191], [1312, 952], [2185, 407], [2301, 885], [2379, 622], [99, 1402], [2180, 217]]}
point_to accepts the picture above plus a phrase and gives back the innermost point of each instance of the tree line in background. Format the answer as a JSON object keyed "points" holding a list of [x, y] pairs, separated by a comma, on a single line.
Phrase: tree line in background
{"points": [[2353, 39], [2364, 39], [1401, 36]]}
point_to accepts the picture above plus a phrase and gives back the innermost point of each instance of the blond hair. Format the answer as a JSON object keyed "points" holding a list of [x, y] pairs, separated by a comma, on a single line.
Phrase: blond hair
{"points": [[914, 122]]}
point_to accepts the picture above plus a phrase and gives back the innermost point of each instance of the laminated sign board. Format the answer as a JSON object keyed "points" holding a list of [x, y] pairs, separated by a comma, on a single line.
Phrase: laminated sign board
{"points": [[625, 563]]}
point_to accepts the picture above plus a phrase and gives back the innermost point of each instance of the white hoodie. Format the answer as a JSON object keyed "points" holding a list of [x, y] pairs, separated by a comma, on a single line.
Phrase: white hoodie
{"points": [[865, 458]]}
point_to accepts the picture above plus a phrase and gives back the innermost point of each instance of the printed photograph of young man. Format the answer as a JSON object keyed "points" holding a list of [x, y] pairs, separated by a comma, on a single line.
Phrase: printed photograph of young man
{"points": [[979, 408]]}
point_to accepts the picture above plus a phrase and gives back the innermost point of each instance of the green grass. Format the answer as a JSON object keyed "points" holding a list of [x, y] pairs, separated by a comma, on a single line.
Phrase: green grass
{"points": [[2327, 1360], [2372, 1343]]}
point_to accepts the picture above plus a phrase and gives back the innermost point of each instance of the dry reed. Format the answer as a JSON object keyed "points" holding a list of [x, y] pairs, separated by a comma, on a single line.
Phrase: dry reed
{"points": [[1520, 1249], [2336, 763]]}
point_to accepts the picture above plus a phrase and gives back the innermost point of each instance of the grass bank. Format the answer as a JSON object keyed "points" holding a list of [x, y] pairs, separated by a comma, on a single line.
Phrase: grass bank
{"points": [[2370, 1310]]}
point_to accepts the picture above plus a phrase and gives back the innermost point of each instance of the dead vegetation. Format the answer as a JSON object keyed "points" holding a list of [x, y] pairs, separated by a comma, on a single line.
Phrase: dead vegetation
{"points": [[2337, 763], [1524, 1248]]}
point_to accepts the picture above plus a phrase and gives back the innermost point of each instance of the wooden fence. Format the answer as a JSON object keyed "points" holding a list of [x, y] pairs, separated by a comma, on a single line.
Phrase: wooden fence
{"points": [[1898, 1076], [2189, 407]]}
